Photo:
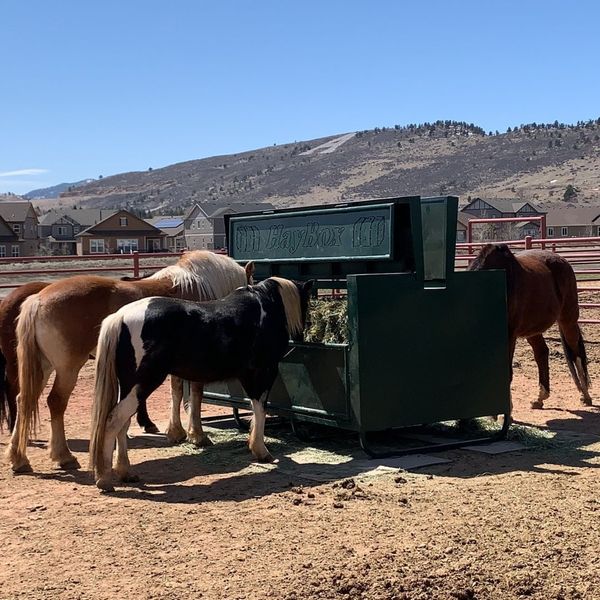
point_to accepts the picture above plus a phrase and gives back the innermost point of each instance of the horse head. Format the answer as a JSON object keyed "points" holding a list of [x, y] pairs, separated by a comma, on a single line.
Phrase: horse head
{"points": [[295, 296], [493, 256]]}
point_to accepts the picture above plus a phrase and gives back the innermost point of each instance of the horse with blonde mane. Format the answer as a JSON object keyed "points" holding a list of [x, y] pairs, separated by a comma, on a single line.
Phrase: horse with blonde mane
{"points": [[243, 336], [58, 328]]}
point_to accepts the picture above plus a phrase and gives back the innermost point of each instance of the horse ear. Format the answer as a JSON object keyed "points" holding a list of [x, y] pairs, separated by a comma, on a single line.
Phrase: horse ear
{"points": [[308, 286], [249, 268], [504, 249]]}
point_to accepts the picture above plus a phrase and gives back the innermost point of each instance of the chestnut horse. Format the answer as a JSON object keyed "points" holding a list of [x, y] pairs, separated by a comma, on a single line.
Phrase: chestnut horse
{"points": [[9, 372], [541, 290], [243, 336], [58, 327]]}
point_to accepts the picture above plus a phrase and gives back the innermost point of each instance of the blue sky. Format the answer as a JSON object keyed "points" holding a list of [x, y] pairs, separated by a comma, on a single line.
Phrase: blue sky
{"points": [[102, 87]]}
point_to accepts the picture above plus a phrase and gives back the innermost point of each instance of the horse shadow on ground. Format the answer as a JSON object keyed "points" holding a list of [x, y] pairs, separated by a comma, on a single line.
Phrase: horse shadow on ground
{"points": [[176, 475]]}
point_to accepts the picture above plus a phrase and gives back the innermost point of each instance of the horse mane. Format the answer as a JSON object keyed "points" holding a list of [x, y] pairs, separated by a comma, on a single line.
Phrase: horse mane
{"points": [[204, 275], [290, 296]]}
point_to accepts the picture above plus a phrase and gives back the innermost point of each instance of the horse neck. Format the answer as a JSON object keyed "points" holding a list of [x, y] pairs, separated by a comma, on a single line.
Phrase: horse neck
{"points": [[156, 287], [514, 272]]}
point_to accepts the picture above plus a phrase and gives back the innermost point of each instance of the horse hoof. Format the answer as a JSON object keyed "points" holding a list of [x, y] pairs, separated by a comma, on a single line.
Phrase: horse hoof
{"points": [[268, 458], [586, 401], [104, 486], [152, 428], [70, 464], [538, 404], [22, 469], [175, 436], [199, 440]]}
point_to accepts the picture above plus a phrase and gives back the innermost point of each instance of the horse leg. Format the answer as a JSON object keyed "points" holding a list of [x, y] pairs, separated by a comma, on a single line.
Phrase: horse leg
{"points": [[116, 426], [12, 387], [195, 433], [175, 431], [18, 458], [512, 343], [64, 382], [541, 354], [123, 465], [257, 433], [576, 357], [144, 420]]}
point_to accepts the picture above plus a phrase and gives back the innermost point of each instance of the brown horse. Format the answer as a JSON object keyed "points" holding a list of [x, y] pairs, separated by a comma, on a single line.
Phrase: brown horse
{"points": [[541, 290], [9, 372], [58, 329]]}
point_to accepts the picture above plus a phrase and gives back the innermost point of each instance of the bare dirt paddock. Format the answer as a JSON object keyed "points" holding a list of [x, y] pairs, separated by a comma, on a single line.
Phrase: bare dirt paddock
{"points": [[208, 524]]}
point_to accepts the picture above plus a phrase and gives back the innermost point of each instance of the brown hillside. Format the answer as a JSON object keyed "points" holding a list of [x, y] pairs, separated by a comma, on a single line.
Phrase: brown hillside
{"points": [[533, 161]]}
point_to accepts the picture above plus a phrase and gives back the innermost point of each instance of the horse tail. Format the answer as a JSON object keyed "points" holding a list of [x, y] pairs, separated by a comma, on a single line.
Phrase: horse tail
{"points": [[5, 413], [571, 357], [106, 392], [31, 371]]}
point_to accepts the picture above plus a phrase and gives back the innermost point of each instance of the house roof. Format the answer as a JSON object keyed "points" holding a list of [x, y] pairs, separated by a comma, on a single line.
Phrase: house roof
{"points": [[166, 222], [86, 217], [111, 232], [171, 226], [464, 218], [580, 215], [14, 211], [220, 212], [505, 205], [215, 210]]}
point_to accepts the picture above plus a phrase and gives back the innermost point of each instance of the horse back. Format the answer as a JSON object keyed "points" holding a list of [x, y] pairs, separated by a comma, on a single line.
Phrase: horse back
{"points": [[547, 288]]}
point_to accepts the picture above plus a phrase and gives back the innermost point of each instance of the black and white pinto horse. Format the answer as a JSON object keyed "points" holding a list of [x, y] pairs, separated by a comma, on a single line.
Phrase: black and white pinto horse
{"points": [[242, 336]]}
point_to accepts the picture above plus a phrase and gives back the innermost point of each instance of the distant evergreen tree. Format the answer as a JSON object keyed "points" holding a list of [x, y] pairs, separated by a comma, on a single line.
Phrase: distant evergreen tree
{"points": [[570, 193]]}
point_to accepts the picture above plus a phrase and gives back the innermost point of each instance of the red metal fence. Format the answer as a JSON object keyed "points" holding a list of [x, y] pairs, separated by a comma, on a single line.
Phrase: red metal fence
{"points": [[582, 253]]}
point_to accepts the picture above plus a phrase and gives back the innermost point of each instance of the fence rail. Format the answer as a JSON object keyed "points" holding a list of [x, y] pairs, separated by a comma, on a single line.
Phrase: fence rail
{"points": [[582, 253]]}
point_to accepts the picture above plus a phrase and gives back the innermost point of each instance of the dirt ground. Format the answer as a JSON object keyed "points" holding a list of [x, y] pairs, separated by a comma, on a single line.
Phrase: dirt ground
{"points": [[517, 525]]}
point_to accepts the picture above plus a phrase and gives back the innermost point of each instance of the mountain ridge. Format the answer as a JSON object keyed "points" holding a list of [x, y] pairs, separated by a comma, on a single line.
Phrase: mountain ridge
{"points": [[535, 161]]}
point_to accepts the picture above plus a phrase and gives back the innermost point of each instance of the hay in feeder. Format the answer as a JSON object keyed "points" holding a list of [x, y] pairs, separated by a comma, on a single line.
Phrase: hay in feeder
{"points": [[328, 322]]}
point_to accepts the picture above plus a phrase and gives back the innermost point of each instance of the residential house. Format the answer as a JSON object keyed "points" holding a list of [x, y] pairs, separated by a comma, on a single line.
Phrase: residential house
{"points": [[462, 222], [204, 224], [496, 208], [58, 227], [9, 240], [580, 221], [121, 232], [22, 219], [173, 229], [198, 230]]}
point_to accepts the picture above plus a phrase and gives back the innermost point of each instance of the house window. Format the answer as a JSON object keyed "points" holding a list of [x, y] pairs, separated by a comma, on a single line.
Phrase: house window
{"points": [[76, 229], [564, 231], [96, 246], [62, 230], [123, 221], [2, 251], [127, 246], [550, 231], [17, 228], [15, 251]]}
